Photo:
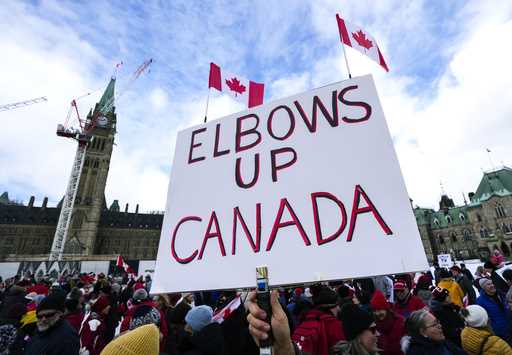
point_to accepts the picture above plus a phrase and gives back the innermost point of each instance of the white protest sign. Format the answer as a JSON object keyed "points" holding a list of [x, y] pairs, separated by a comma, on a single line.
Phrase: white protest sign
{"points": [[309, 186], [444, 260]]}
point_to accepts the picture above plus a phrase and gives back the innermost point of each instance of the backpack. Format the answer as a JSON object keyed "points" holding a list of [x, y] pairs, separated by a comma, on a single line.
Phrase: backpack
{"points": [[311, 335]]}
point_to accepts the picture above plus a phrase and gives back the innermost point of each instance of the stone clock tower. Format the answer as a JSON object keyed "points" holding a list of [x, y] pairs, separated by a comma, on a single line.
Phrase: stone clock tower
{"points": [[90, 198]]}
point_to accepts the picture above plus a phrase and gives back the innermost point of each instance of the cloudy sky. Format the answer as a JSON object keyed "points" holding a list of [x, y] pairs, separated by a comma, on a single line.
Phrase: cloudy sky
{"points": [[447, 96]]}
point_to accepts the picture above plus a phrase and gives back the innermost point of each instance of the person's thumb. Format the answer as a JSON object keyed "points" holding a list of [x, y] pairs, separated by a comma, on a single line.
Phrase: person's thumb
{"points": [[277, 309]]}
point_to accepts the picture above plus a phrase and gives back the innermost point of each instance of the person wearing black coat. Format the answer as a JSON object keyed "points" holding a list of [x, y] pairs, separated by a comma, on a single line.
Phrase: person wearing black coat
{"points": [[202, 336], [467, 273], [465, 284], [208, 341], [427, 337], [61, 339], [448, 315], [14, 295], [54, 335]]}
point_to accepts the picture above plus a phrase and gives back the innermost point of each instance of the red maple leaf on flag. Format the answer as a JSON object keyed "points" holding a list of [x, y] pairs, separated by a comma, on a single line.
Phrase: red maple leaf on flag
{"points": [[361, 39], [234, 85]]}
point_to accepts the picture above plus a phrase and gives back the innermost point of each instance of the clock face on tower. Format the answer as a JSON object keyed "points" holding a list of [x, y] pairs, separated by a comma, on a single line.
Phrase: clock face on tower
{"points": [[102, 121]]}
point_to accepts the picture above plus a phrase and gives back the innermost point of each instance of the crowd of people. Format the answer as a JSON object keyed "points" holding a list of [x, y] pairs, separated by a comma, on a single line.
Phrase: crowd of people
{"points": [[449, 311]]}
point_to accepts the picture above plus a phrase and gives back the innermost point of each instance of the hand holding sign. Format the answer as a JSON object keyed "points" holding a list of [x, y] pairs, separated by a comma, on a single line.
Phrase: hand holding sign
{"points": [[259, 328]]}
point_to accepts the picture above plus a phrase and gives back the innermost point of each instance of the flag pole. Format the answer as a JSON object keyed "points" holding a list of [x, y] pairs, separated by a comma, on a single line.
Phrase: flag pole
{"points": [[207, 101], [346, 61], [490, 158]]}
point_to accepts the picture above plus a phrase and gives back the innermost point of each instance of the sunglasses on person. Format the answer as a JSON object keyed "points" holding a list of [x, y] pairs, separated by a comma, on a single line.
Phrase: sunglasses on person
{"points": [[46, 315]]}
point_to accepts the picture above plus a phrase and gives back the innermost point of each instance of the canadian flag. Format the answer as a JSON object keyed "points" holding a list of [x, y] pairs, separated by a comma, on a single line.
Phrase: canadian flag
{"points": [[247, 91], [355, 37], [121, 263], [225, 312]]}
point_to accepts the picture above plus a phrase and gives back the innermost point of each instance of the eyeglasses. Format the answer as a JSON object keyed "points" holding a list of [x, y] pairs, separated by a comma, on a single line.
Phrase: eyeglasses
{"points": [[436, 324], [46, 315], [373, 329]]}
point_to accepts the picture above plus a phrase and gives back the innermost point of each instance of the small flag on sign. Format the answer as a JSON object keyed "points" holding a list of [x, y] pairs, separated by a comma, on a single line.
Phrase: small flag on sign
{"points": [[357, 38], [249, 92]]}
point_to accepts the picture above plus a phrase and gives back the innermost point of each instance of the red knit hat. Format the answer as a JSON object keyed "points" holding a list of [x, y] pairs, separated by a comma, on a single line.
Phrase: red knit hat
{"points": [[379, 301]]}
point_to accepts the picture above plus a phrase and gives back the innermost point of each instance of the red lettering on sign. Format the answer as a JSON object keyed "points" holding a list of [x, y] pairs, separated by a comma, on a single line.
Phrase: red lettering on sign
{"points": [[255, 175], [271, 118], [275, 167], [216, 234], [356, 210], [316, 217], [332, 118], [278, 224], [364, 105], [216, 152], [241, 133], [195, 145], [255, 245], [173, 240]]}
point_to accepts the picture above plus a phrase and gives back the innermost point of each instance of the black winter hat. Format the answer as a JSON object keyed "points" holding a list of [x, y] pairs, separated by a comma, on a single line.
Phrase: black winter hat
{"points": [[489, 265], [445, 274], [354, 320], [324, 297], [52, 301]]}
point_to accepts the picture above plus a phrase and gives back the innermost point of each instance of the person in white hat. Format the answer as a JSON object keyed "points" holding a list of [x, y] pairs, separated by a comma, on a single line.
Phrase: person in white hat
{"points": [[477, 337]]}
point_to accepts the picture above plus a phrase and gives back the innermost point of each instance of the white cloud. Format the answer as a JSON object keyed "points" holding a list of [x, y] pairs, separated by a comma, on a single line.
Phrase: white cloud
{"points": [[440, 125]]}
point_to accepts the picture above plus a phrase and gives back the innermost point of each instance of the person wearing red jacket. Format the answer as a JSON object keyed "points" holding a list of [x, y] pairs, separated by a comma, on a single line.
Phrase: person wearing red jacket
{"points": [[405, 301], [140, 299], [322, 316], [390, 325]]}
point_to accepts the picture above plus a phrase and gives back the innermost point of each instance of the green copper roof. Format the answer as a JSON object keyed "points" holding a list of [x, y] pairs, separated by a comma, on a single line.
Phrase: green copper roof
{"points": [[495, 183], [4, 198], [114, 207], [439, 219], [107, 100], [423, 215]]}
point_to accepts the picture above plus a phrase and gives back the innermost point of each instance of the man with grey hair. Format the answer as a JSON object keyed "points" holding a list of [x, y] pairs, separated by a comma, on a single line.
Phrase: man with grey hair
{"points": [[54, 335], [497, 308], [426, 336]]}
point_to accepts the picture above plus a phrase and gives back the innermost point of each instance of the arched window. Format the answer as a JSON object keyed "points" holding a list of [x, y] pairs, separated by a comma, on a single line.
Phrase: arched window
{"points": [[440, 238], [500, 211], [454, 237], [467, 235], [484, 232], [449, 219], [436, 222], [462, 217], [478, 217], [505, 228]]}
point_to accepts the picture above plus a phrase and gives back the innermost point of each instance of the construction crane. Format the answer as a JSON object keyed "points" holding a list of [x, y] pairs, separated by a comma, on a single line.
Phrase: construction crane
{"points": [[82, 134], [22, 103]]}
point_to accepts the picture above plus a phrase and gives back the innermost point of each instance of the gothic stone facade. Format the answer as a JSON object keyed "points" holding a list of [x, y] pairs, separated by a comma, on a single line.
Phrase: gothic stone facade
{"points": [[475, 229], [29, 231]]}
